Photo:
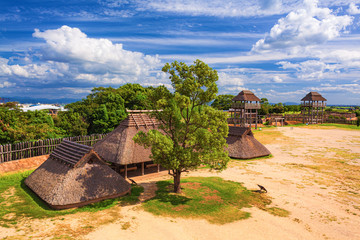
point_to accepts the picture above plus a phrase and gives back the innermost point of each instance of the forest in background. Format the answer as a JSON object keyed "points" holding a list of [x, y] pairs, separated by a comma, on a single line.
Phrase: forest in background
{"points": [[100, 112]]}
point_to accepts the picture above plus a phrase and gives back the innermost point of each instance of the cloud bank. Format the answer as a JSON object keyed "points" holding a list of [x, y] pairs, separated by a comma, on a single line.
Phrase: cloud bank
{"points": [[307, 26], [70, 57]]}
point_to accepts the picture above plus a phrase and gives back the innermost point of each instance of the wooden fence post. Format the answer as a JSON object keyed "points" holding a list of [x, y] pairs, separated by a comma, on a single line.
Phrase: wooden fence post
{"points": [[1, 154]]}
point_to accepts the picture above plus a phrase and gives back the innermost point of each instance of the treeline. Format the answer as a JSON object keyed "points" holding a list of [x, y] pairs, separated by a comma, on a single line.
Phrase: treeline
{"points": [[100, 112], [223, 102]]}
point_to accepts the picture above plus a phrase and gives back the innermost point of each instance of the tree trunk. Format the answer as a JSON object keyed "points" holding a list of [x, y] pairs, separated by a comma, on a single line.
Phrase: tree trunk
{"points": [[177, 187]]}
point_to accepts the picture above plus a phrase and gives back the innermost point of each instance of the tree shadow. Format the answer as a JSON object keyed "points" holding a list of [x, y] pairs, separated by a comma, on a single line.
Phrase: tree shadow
{"points": [[165, 195]]}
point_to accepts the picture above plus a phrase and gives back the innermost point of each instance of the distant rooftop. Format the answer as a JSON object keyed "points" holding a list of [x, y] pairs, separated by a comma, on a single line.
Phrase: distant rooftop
{"points": [[43, 107], [246, 95], [313, 96]]}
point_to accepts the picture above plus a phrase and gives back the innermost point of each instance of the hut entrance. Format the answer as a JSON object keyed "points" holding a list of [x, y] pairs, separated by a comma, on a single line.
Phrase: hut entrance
{"points": [[138, 169]]}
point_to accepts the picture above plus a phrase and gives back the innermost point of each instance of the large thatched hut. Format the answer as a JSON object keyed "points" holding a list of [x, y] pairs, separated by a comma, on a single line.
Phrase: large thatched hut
{"points": [[119, 148], [75, 175], [243, 145]]}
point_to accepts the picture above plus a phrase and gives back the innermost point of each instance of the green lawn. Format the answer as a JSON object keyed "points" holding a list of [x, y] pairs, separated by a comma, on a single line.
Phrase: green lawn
{"points": [[17, 201], [212, 198]]}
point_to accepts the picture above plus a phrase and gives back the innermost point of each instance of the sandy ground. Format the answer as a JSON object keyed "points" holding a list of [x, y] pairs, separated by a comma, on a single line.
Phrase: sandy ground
{"points": [[314, 174]]}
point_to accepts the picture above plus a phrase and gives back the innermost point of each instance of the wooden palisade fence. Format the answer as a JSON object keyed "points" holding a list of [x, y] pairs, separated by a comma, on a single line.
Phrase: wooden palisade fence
{"points": [[10, 152]]}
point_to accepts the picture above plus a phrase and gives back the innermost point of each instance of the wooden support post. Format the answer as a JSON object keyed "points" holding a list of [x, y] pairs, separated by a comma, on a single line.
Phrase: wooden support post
{"points": [[158, 168], [142, 168], [256, 118], [125, 171]]}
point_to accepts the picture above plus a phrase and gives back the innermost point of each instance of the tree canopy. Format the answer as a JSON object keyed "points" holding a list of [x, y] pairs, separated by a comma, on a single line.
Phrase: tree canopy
{"points": [[191, 132], [223, 102]]}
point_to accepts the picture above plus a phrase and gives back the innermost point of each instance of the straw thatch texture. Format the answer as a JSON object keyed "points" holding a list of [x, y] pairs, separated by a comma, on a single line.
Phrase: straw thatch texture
{"points": [[243, 145], [246, 95], [313, 96], [65, 185], [118, 146]]}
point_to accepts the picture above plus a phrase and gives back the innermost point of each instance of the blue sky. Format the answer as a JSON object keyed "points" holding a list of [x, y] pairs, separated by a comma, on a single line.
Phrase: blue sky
{"points": [[278, 49]]}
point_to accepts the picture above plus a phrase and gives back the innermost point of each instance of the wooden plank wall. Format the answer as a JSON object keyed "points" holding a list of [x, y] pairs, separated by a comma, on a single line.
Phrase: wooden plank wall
{"points": [[10, 152]]}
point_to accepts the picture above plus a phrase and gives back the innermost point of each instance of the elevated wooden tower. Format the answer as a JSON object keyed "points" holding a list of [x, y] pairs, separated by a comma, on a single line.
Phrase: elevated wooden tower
{"points": [[312, 108], [244, 109]]}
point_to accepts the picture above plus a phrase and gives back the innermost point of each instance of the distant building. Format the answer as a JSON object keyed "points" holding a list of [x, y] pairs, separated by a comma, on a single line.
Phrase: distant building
{"points": [[312, 108], [53, 110], [244, 109]]}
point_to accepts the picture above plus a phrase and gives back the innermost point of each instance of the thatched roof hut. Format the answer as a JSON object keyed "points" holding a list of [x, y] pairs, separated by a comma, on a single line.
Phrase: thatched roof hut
{"points": [[75, 175], [243, 145], [118, 146], [313, 96]]}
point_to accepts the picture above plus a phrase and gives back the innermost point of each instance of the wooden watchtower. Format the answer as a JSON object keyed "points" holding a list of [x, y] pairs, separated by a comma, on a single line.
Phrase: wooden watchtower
{"points": [[244, 109], [312, 108]]}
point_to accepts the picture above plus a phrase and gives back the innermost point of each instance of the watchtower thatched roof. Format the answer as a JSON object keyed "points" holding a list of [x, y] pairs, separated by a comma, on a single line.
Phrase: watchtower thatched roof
{"points": [[313, 96], [75, 175], [243, 145], [118, 146], [246, 95]]}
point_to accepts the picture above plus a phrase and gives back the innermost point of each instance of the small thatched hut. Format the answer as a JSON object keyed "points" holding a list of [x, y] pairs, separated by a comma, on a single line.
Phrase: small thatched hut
{"points": [[75, 175], [243, 145], [118, 146]]}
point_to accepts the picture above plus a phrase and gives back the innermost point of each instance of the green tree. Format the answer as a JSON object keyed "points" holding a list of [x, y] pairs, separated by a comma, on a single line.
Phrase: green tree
{"points": [[103, 109], [223, 102], [19, 126], [134, 95], [191, 132], [72, 123], [265, 107]]}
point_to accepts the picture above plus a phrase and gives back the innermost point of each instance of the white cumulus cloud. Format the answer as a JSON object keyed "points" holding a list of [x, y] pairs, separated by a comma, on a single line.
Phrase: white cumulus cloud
{"points": [[307, 26], [353, 9], [93, 55]]}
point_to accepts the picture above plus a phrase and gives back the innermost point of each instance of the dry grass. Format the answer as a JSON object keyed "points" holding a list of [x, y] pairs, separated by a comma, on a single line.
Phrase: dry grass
{"points": [[334, 168]]}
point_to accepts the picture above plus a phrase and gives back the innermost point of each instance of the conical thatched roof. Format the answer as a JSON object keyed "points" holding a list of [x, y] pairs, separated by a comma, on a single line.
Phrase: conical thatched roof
{"points": [[246, 95], [119, 147], [243, 145], [74, 175], [313, 96]]}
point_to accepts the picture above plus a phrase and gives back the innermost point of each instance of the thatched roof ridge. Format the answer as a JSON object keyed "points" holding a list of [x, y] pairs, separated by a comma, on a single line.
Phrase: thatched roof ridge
{"points": [[243, 145], [139, 120], [313, 96], [246, 95], [70, 152], [64, 185]]}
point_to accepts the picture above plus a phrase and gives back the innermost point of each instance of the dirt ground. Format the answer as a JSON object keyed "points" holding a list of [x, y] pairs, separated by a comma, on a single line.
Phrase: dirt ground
{"points": [[314, 174]]}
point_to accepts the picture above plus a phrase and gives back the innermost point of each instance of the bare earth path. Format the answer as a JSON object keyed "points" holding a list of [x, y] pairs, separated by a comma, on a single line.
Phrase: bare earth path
{"points": [[314, 174]]}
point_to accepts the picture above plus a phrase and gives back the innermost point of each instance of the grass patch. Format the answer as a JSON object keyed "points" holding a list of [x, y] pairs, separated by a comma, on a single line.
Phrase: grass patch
{"points": [[17, 201], [212, 198]]}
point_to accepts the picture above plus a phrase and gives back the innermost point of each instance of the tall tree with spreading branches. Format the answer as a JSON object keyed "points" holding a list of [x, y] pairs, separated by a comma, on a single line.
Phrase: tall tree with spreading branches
{"points": [[191, 132]]}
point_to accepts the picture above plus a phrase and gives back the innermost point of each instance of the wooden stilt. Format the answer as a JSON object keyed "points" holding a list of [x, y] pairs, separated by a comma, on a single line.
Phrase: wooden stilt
{"points": [[158, 168], [125, 171], [142, 168]]}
